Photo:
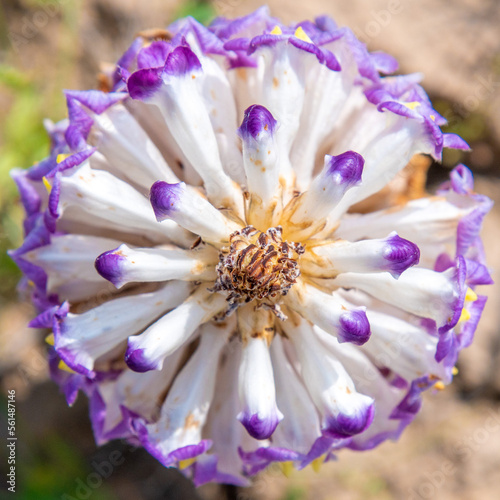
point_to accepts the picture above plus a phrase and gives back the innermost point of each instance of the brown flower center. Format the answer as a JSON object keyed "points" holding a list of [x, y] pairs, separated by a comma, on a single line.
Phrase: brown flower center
{"points": [[257, 266]]}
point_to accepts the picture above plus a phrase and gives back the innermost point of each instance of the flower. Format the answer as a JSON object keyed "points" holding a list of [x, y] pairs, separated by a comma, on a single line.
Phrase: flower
{"points": [[235, 251]]}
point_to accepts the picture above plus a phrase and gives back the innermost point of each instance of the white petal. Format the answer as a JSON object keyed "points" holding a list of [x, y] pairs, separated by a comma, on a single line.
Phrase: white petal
{"points": [[260, 415], [69, 259], [149, 350], [387, 142], [300, 426], [283, 86], [112, 201], [344, 411], [425, 219], [153, 123], [260, 160], [185, 114], [306, 215], [222, 426], [330, 311], [327, 92], [185, 410], [329, 258], [246, 86], [369, 381], [218, 98], [431, 223], [82, 338], [422, 292], [124, 264], [141, 393], [406, 349], [187, 207], [126, 146]]}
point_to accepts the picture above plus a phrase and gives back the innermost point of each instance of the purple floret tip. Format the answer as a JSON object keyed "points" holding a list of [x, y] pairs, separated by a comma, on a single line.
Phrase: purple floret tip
{"points": [[257, 120], [259, 428], [462, 180], [400, 254], [354, 327], [181, 61], [346, 168], [96, 100], [108, 266], [187, 452], [165, 198], [154, 55], [137, 361], [143, 84], [344, 426], [454, 141]]}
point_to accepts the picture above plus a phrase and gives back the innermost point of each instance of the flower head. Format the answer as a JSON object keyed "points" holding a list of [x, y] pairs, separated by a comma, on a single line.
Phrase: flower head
{"points": [[211, 250]]}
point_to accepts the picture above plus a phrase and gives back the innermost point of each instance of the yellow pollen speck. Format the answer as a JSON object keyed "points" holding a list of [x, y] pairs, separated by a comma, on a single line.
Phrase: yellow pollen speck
{"points": [[63, 366], [61, 157], [50, 339], [183, 464], [433, 118], [302, 35], [412, 105], [276, 31], [317, 463], [470, 295], [286, 468], [439, 386], [454, 371], [465, 316], [47, 185]]}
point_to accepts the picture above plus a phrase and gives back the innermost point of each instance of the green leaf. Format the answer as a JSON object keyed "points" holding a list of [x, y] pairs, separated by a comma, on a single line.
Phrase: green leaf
{"points": [[201, 10]]}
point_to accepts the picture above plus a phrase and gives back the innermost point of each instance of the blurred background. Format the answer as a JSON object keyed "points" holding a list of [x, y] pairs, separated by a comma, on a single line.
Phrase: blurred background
{"points": [[452, 450]]}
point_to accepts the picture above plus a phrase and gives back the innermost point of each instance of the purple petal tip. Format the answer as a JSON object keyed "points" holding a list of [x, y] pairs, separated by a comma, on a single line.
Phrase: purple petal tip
{"points": [[259, 428], [181, 61], [454, 141], [154, 55], [143, 84], [331, 61], [354, 327], [400, 254], [71, 358], [462, 180], [137, 361], [257, 119], [344, 426], [108, 265], [187, 452], [346, 168], [165, 198]]}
